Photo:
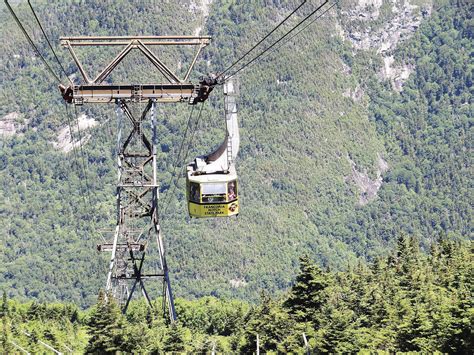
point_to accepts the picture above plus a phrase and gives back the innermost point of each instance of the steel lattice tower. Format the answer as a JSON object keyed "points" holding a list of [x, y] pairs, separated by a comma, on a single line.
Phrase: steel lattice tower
{"points": [[138, 227], [137, 231]]}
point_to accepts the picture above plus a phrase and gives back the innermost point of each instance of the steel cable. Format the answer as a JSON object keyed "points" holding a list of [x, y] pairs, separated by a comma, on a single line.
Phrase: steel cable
{"points": [[47, 40], [276, 42], [81, 190], [165, 209], [51, 71], [177, 160], [84, 165], [263, 39], [296, 34]]}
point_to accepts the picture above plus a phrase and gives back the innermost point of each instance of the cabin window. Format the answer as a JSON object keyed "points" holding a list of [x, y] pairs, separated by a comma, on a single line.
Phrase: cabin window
{"points": [[194, 192], [214, 192], [232, 190]]}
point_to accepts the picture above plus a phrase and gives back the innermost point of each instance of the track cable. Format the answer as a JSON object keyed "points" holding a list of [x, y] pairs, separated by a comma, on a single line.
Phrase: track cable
{"points": [[170, 194], [263, 54], [49, 43], [297, 33], [84, 164], [81, 188], [32, 44], [178, 157], [261, 40], [277, 41]]}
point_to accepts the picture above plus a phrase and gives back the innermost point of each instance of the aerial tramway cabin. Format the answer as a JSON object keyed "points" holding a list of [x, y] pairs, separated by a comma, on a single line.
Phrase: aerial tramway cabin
{"points": [[211, 183]]}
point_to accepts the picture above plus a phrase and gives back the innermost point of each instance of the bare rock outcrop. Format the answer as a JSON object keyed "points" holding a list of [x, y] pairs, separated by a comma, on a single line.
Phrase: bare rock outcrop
{"points": [[10, 124], [236, 283], [367, 187], [365, 28], [201, 8], [65, 140], [355, 94]]}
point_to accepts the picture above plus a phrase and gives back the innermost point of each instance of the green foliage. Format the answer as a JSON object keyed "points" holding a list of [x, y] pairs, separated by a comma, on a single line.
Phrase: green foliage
{"points": [[308, 291], [4, 307], [271, 324], [5, 343], [105, 326], [299, 132], [279, 99], [174, 340], [398, 304], [409, 301], [212, 316], [427, 130]]}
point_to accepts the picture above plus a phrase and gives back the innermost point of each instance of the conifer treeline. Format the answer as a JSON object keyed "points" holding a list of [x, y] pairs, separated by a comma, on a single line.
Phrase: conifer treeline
{"points": [[409, 301]]}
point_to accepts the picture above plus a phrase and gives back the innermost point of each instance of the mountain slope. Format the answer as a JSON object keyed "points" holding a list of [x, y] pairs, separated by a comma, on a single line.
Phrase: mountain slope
{"points": [[334, 162]]}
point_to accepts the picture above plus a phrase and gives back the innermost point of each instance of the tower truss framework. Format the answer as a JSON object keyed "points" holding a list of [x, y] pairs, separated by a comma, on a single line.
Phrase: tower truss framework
{"points": [[138, 227], [137, 236]]}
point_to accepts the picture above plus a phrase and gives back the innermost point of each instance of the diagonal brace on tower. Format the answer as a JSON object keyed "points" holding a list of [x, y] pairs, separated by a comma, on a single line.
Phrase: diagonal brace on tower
{"points": [[138, 225], [137, 212]]}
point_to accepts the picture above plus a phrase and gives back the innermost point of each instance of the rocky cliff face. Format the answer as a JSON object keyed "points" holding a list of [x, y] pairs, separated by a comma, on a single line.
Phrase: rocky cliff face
{"points": [[380, 26], [368, 187], [12, 124], [67, 141], [201, 9]]}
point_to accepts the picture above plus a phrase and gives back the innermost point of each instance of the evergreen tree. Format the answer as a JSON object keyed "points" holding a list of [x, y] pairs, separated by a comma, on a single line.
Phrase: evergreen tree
{"points": [[307, 294], [5, 345], [74, 316], [33, 345], [408, 301], [104, 326], [149, 317], [456, 278], [51, 338], [274, 327], [174, 340], [34, 311], [4, 307], [337, 330], [134, 338]]}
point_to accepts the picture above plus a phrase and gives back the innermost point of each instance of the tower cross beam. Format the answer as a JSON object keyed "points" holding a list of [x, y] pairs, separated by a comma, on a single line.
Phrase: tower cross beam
{"points": [[138, 220], [137, 230], [175, 89]]}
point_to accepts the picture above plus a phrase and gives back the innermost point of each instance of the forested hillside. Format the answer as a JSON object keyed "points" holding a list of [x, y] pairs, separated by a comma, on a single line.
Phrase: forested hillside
{"points": [[408, 301], [336, 161]]}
